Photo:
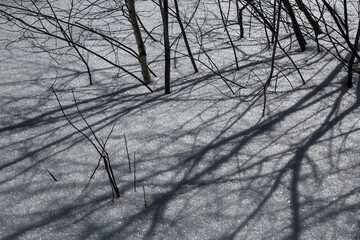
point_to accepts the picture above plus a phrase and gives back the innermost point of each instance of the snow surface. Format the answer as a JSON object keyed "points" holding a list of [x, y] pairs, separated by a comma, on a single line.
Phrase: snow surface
{"points": [[211, 166]]}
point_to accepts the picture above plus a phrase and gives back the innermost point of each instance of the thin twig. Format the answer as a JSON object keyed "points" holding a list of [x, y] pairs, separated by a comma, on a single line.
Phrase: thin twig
{"points": [[103, 154], [56, 179], [134, 173], [69, 121], [103, 151], [86, 122], [127, 152], [97, 166]]}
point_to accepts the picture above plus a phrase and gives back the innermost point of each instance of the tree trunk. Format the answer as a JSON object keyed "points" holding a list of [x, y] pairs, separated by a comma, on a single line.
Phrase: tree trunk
{"points": [[299, 36], [309, 17], [239, 19], [139, 41], [165, 17], [346, 21]]}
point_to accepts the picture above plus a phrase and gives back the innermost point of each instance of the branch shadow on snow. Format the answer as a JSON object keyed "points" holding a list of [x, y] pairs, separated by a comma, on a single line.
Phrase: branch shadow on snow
{"points": [[231, 177], [211, 170], [291, 167]]}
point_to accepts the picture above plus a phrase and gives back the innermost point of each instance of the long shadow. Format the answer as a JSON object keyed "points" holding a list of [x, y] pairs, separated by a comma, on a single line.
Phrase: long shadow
{"points": [[159, 204], [293, 165], [195, 177], [198, 168]]}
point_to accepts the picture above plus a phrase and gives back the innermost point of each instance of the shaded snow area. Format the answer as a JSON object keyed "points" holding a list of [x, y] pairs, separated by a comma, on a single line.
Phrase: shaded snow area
{"points": [[211, 166]]}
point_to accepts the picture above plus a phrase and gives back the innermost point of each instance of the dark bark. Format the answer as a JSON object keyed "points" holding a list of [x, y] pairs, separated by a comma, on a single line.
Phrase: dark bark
{"points": [[165, 17], [239, 18], [309, 17], [295, 25], [185, 36], [346, 21]]}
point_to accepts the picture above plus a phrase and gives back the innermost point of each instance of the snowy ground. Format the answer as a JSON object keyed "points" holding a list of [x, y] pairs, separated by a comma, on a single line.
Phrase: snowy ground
{"points": [[212, 168]]}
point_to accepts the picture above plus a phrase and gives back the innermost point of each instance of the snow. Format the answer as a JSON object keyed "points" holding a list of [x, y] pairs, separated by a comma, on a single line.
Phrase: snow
{"points": [[211, 166]]}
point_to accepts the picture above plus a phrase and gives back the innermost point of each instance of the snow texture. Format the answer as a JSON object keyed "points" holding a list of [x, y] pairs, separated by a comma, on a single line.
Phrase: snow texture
{"points": [[211, 166]]}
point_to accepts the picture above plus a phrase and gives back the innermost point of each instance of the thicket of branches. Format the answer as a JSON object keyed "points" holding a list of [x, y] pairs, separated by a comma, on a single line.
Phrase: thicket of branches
{"points": [[84, 29]]}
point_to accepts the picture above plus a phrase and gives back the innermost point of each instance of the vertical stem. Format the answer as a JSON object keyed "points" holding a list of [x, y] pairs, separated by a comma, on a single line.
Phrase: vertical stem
{"points": [[346, 18], [250, 24], [145, 203], [274, 22], [165, 17], [317, 42], [228, 34], [239, 18], [134, 173], [267, 83], [139, 41], [127, 152]]}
